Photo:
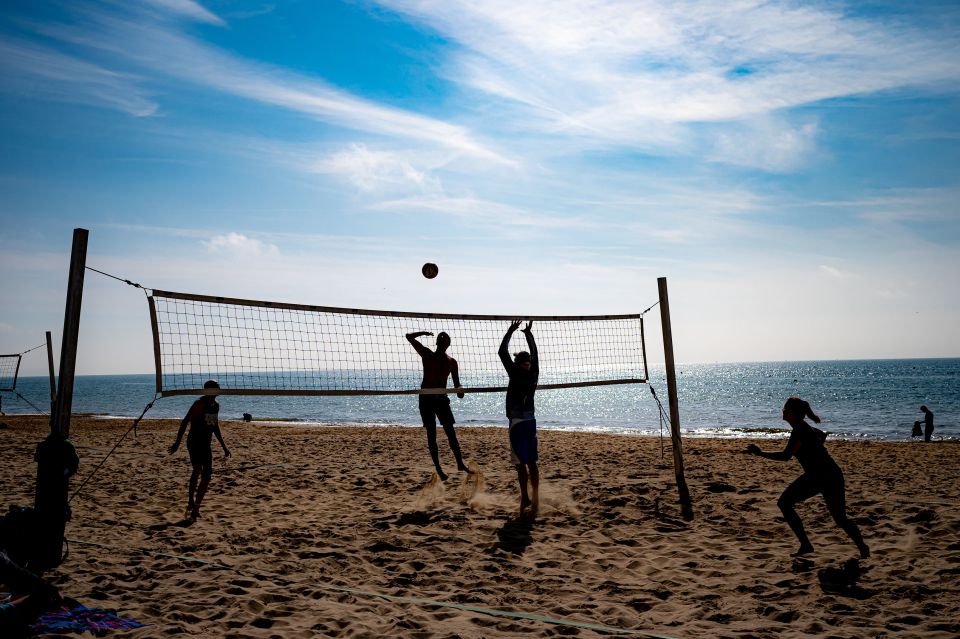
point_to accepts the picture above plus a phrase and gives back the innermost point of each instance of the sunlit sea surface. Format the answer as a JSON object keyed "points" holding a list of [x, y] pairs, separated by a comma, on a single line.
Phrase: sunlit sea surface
{"points": [[872, 399]]}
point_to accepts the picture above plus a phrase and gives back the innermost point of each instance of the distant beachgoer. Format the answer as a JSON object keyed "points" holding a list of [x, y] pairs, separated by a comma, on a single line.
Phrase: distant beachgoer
{"points": [[821, 474], [927, 423], [204, 425], [437, 367], [524, 371]]}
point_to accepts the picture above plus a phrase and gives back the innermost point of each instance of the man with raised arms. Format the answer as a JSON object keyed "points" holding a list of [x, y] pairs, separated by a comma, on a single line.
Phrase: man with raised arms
{"points": [[524, 372], [437, 367]]}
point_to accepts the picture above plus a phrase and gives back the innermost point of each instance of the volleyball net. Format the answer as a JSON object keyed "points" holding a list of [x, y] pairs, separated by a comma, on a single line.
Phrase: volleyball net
{"points": [[266, 348], [9, 369]]}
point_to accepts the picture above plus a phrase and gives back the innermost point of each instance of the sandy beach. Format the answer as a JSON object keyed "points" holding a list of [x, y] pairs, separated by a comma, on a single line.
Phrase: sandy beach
{"points": [[338, 531]]}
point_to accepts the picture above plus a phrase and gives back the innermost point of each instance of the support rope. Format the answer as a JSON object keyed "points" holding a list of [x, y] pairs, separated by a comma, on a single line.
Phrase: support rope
{"points": [[119, 279], [663, 417], [107, 456], [644, 312], [32, 405], [33, 349]]}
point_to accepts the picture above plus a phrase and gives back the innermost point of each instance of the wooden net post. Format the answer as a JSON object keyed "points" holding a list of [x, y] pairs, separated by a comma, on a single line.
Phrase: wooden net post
{"points": [[56, 457], [53, 379], [685, 503]]}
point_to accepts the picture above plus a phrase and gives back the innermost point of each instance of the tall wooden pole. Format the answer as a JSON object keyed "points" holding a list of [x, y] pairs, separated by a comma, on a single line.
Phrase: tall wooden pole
{"points": [[53, 379], [71, 332], [685, 504], [56, 457]]}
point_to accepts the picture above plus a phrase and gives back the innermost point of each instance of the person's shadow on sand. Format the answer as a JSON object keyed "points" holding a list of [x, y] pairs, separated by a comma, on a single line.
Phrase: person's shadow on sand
{"points": [[183, 523], [514, 536], [843, 581]]}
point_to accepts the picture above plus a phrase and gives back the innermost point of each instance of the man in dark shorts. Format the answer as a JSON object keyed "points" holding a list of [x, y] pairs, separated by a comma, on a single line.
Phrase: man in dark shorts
{"points": [[204, 424], [437, 367], [524, 371]]}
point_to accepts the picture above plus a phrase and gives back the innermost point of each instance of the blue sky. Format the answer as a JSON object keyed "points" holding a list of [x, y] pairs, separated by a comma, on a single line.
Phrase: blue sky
{"points": [[792, 168]]}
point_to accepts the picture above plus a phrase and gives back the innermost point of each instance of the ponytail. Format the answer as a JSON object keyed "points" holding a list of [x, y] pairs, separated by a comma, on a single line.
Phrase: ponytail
{"points": [[796, 405]]}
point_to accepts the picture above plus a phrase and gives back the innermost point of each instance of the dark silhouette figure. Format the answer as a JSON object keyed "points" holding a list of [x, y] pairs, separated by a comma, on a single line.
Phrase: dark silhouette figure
{"points": [[27, 597], [927, 423], [204, 425], [524, 371], [821, 475], [437, 367]]}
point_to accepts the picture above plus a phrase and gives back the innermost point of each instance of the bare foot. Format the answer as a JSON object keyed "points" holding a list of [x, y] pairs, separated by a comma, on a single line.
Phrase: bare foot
{"points": [[524, 503], [805, 549], [864, 551], [463, 469], [442, 475]]}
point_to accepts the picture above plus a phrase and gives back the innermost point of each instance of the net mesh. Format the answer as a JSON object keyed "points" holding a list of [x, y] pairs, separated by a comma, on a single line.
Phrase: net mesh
{"points": [[9, 366], [267, 348]]}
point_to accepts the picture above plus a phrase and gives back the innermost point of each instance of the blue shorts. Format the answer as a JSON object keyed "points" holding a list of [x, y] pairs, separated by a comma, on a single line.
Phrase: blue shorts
{"points": [[523, 441]]}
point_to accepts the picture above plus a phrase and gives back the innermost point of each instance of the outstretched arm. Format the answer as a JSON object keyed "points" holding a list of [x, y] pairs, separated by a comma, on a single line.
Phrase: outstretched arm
{"points": [[532, 345], [504, 351], [789, 451], [421, 349]]}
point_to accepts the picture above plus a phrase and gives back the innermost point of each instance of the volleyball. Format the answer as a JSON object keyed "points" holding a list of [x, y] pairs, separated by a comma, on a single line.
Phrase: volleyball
{"points": [[430, 270]]}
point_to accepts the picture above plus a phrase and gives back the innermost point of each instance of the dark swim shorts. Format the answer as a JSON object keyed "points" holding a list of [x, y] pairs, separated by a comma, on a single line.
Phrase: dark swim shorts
{"points": [[201, 455], [523, 441], [435, 408]]}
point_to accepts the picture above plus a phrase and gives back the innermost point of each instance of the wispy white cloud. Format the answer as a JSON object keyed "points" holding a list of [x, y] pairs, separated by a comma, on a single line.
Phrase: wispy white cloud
{"points": [[37, 71], [163, 48], [479, 211], [764, 143], [190, 9], [636, 73], [375, 170], [240, 244], [834, 272]]}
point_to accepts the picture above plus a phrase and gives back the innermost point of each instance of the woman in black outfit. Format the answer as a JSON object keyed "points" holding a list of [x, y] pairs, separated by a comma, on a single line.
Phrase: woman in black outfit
{"points": [[820, 475]]}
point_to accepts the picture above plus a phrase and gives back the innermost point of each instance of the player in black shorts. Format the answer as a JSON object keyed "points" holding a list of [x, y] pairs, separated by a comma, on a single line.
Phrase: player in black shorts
{"points": [[821, 475], [437, 367], [204, 424]]}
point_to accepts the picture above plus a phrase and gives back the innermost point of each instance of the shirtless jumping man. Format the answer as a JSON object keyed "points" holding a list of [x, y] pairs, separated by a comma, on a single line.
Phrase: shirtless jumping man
{"points": [[437, 367]]}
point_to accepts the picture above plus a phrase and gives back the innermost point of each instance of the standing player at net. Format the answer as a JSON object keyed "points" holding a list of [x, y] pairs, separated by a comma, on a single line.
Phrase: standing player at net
{"points": [[524, 371], [437, 367], [204, 424]]}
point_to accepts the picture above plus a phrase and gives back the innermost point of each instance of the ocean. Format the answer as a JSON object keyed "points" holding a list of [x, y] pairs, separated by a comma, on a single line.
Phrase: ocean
{"points": [[868, 399]]}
